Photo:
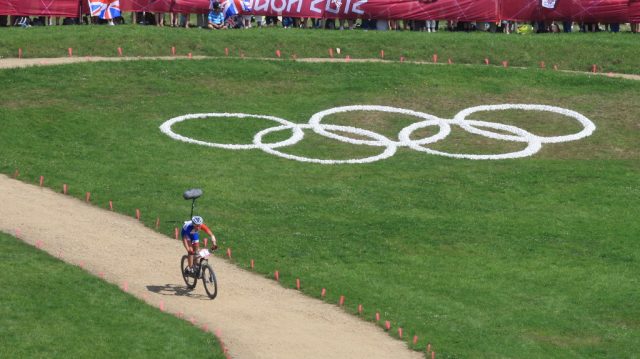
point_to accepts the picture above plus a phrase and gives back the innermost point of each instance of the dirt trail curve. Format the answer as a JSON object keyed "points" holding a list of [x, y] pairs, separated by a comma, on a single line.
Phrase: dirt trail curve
{"points": [[257, 317], [13, 62]]}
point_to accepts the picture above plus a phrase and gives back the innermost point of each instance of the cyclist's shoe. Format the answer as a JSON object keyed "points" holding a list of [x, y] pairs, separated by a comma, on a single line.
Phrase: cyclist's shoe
{"points": [[188, 271]]}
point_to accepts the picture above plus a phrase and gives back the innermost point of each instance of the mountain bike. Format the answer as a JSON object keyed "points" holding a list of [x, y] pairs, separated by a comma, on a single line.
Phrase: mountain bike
{"points": [[202, 270]]}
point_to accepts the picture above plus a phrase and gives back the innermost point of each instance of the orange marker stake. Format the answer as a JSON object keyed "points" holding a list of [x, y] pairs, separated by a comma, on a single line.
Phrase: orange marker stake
{"points": [[20, 53], [323, 293], [359, 308], [110, 205], [449, 61], [400, 332], [64, 188], [387, 325], [161, 306], [331, 52], [137, 214], [120, 51], [415, 339], [377, 316], [190, 56], [173, 51], [157, 222], [435, 58], [341, 302], [347, 59], [176, 232], [226, 51], [70, 52], [229, 253], [433, 355], [252, 264], [125, 286], [542, 65], [87, 197], [486, 61], [428, 347], [382, 54], [41, 180], [16, 174], [298, 283], [277, 276], [505, 64], [278, 53], [594, 68], [401, 58]]}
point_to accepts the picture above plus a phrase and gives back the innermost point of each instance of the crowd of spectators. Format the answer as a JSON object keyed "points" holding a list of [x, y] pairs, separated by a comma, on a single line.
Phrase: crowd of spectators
{"points": [[215, 20]]}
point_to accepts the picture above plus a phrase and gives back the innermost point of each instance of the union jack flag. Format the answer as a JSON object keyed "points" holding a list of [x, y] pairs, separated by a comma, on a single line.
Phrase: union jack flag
{"points": [[105, 9], [235, 7]]}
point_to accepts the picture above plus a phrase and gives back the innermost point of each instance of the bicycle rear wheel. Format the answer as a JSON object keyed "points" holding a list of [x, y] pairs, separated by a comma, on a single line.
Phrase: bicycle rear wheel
{"points": [[209, 281], [189, 280]]}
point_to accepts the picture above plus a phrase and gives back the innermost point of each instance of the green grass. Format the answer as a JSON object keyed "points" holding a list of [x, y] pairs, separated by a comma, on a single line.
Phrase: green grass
{"points": [[535, 257], [575, 51], [50, 309]]}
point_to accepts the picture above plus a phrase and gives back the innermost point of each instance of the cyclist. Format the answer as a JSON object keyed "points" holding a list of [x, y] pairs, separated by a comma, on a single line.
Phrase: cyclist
{"points": [[191, 238]]}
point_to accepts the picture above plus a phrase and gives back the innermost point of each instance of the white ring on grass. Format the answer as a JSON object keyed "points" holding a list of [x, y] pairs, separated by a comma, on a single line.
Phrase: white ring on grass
{"points": [[166, 128], [534, 142], [389, 151]]}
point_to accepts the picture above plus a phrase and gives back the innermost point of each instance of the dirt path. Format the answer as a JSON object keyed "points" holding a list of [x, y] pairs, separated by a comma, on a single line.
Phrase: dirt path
{"points": [[257, 318], [13, 63]]}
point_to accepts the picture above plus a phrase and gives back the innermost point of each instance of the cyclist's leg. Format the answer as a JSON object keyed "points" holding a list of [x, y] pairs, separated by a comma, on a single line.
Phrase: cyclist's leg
{"points": [[186, 241], [195, 246]]}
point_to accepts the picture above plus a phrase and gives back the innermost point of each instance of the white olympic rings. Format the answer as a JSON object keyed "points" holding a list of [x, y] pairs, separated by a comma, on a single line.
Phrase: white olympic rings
{"points": [[534, 142]]}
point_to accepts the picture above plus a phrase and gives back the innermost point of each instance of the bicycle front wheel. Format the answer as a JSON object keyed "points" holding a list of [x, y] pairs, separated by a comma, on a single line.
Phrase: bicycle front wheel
{"points": [[209, 281], [189, 279]]}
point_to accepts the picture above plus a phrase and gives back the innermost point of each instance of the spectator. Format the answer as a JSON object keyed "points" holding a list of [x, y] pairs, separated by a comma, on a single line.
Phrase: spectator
{"points": [[160, 19], [216, 18], [173, 18], [184, 20], [259, 20], [431, 25]]}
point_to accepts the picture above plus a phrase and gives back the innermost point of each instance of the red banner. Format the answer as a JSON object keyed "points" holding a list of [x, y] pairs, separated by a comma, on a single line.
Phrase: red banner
{"points": [[62, 8], [458, 10], [606, 11], [146, 5], [289, 8], [178, 6], [190, 6], [634, 11]]}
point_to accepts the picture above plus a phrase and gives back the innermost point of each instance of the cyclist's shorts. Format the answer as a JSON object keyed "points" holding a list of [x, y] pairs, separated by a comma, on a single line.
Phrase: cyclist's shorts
{"points": [[194, 237]]}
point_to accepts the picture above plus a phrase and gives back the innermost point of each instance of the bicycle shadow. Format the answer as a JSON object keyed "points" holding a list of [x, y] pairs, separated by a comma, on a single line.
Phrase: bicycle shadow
{"points": [[175, 289]]}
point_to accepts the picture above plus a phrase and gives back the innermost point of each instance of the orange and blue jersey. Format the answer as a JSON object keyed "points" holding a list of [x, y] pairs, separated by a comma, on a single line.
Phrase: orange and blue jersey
{"points": [[189, 230]]}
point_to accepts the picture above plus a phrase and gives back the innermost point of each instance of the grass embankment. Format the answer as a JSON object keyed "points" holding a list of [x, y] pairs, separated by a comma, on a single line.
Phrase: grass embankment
{"points": [[54, 310], [575, 51], [534, 257]]}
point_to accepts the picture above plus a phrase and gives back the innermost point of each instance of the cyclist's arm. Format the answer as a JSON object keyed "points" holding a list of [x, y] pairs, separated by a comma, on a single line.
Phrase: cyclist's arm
{"points": [[214, 242]]}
